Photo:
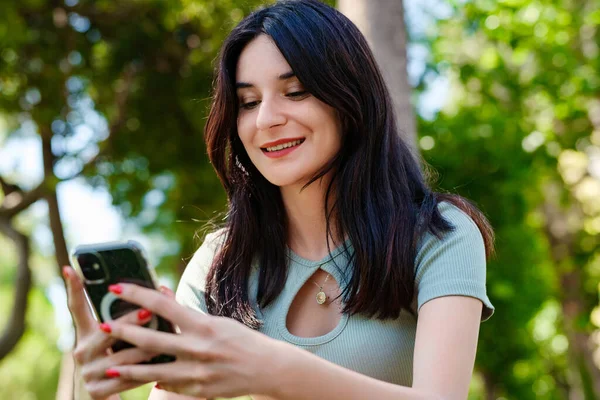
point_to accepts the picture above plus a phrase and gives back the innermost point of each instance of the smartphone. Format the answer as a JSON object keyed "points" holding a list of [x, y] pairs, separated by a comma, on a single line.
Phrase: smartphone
{"points": [[104, 264]]}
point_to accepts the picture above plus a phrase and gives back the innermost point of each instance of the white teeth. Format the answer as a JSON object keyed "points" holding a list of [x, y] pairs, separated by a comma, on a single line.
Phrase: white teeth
{"points": [[284, 145]]}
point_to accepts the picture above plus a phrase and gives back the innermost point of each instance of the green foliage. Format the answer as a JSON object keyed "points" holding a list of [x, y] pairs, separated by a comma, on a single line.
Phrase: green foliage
{"points": [[523, 88], [66, 67], [30, 371]]}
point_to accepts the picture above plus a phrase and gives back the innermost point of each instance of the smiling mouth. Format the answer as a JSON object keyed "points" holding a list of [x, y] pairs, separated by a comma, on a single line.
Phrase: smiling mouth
{"points": [[283, 146]]}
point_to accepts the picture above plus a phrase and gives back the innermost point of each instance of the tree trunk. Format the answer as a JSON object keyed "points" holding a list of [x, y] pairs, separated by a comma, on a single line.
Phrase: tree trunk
{"points": [[382, 23], [489, 383], [70, 383], [56, 226]]}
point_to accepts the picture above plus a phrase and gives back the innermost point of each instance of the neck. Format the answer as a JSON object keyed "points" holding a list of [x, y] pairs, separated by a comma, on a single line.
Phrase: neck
{"points": [[307, 231]]}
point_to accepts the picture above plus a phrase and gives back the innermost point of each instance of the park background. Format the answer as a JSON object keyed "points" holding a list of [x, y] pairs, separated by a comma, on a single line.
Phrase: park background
{"points": [[102, 106]]}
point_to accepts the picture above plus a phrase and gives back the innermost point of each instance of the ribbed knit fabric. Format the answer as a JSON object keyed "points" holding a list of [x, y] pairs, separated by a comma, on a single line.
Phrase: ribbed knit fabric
{"points": [[383, 350]]}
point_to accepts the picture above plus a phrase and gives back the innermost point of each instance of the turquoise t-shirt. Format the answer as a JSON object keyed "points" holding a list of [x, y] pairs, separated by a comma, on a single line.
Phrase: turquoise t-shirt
{"points": [[455, 265]]}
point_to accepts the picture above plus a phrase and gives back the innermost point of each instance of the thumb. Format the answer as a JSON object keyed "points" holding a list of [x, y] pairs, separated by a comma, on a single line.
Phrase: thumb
{"points": [[78, 304]]}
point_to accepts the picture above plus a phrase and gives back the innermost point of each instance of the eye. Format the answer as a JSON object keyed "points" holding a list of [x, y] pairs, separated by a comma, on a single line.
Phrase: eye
{"points": [[249, 105], [297, 94]]}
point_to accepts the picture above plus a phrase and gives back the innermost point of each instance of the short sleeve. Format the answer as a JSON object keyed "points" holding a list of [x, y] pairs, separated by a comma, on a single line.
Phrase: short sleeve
{"points": [[454, 264], [191, 288]]}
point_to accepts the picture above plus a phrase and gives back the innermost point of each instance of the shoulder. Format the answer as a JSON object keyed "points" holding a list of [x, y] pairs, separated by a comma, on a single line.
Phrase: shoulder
{"points": [[453, 263], [203, 257], [464, 235], [457, 217], [191, 288], [215, 239], [196, 270]]}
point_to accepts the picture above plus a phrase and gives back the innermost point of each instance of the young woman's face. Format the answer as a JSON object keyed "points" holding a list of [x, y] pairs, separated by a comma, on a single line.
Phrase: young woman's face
{"points": [[288, 134]]}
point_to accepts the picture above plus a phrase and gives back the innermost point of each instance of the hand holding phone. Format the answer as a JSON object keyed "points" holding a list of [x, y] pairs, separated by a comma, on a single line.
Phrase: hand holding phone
{"points": [[104, 264], [91, 352]]}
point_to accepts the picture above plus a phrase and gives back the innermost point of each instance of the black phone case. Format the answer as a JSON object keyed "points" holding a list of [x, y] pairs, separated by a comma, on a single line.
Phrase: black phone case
{"points": [[123, 263]]}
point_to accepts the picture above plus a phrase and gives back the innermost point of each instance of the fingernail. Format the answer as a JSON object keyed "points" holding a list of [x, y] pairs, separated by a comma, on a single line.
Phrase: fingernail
{"points": [[66, 273], [112, 373], [163, 289], [157, 386], [143, 314], [116, 289], [105, 328]]}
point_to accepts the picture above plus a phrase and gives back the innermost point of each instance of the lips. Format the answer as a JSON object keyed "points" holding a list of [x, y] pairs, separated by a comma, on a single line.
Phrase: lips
{"points": [[282, 147], [282, 143]]}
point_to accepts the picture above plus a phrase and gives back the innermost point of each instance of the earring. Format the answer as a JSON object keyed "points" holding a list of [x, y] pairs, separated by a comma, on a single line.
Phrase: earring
{"points": [[241, 166]]}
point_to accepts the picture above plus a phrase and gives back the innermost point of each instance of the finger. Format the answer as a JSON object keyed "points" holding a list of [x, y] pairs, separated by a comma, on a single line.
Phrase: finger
{"points": [[101, 340], [96, 370], [159, 304], [107, 387], [156, 341], [176, 374], [80, 310]]}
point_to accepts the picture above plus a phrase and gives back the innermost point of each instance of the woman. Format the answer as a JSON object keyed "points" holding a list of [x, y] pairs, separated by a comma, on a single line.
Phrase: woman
{"points": [[338, 274]]}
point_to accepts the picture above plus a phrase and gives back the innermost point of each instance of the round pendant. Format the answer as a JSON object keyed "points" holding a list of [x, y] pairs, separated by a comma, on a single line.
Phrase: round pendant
{"points": [[321, 297]]}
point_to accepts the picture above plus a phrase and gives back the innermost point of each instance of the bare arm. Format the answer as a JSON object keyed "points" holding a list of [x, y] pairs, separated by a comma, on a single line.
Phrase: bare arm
{"points": [[443, 361], [446, 345]]}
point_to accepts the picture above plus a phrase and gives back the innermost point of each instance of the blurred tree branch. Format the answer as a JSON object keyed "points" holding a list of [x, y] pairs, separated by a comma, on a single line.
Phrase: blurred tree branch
{"points": [[8, 188], [16, 323], [16, 199]]}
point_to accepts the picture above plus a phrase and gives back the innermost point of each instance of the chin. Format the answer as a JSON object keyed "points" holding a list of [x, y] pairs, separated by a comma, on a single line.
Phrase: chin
{"points": [[282, 182], [287, 180]]}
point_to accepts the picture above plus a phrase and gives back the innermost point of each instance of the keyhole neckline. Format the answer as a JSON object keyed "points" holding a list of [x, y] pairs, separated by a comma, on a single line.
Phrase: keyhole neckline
{"points": [[315, 340]]}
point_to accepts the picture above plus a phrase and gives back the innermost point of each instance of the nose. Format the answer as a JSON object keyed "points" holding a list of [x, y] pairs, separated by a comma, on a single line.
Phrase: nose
{"points": [[269, 114]]}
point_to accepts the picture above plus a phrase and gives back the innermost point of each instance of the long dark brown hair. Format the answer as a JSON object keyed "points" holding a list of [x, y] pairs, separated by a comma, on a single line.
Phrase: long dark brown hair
{"points": [[377, 191]]}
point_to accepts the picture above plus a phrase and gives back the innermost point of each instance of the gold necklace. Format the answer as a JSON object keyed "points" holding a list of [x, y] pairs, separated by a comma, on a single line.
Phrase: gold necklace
{"points": [[321, 296]]}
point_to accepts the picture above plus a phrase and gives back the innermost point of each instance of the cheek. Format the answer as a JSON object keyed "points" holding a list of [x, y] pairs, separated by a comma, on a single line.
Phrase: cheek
{"points": [[325, 119], [244, 131], [334, 132]]}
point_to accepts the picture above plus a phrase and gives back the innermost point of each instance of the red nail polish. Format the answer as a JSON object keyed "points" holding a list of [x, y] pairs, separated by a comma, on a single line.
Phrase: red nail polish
{"points": [[105, 327], [66, 273], [157, 386], [116, 289], [112, 373], [143, 314]]}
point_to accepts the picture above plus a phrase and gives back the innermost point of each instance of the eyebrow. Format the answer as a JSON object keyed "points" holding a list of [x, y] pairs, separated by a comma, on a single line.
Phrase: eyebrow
{"points": [[282, 77]]}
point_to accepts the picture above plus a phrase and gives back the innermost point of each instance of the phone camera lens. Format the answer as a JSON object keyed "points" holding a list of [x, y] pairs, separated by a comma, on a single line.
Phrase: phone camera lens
{"points": [[91, 266]]}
